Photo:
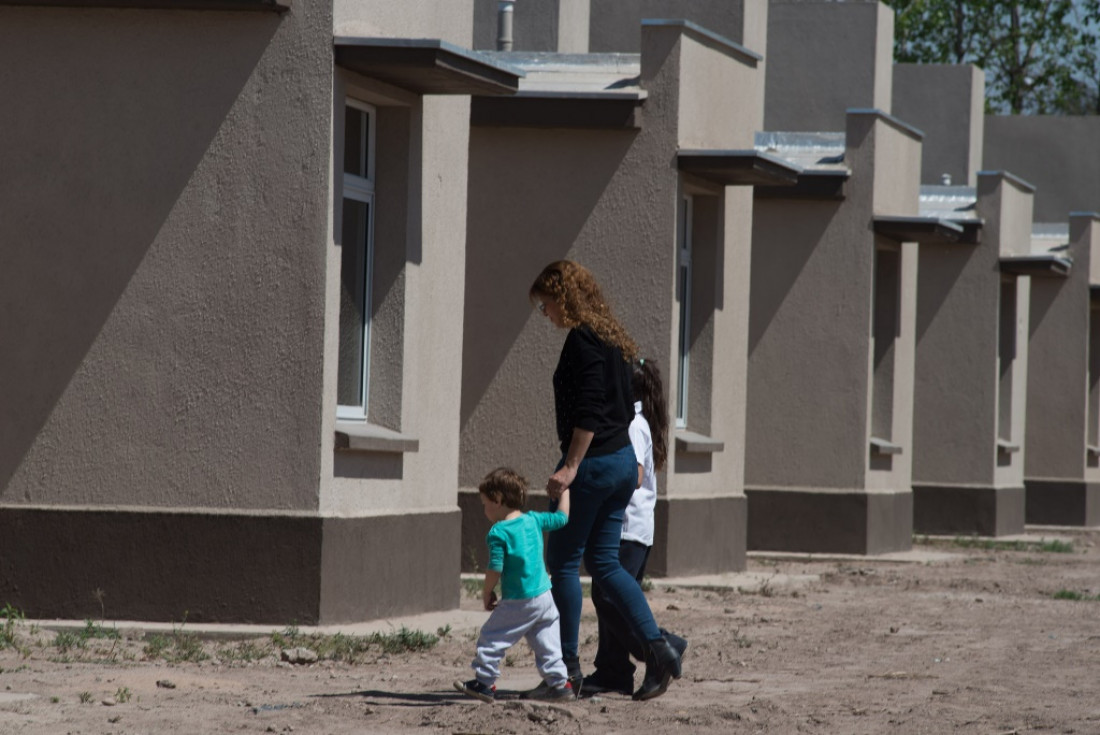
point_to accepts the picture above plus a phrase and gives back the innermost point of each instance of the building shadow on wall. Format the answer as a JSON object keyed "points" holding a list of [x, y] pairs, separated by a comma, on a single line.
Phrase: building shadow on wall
{"points": [[937, 281], [531, 194], [106, 117], [774, 274]]}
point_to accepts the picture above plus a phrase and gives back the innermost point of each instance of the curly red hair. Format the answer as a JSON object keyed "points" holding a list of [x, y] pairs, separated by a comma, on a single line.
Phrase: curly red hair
{"points": [[574, 289]]}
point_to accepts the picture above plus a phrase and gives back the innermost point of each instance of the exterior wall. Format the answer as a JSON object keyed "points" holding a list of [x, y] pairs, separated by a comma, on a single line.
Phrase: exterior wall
{"points": [[419, 247], [1061, 476], [810, 358], [1058, 362], [178, 421], [448, 20], [537, 25], [153, 373], [615, 24], [962, 483], [947, 103], [1057, 154], [608, 199], [826, 57]]}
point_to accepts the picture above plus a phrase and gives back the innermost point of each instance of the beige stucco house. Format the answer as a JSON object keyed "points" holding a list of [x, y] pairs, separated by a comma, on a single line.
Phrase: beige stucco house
{"points": [[641, 167], [232, 306]]}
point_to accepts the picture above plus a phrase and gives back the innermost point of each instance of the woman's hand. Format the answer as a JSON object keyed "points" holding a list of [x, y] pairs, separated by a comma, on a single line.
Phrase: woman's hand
{"points": [[560, 481], [563, 478]]}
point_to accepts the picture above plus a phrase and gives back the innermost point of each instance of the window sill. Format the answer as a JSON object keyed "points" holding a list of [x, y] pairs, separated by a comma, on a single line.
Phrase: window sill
{"points": [[882, 446], [1007, 447], [354, 436], [691, 443]]}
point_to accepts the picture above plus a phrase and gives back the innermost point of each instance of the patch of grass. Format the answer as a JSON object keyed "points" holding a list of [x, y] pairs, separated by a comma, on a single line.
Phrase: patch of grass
{"points": [[245, 651], [472, 586], [176, 647], [987, 544], [1074, 595], [647, 583], [85, 697], [350, 648], [12, 616], [123, 695]]}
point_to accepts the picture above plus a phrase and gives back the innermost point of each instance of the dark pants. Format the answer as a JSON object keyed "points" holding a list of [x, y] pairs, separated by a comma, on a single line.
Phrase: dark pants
{"points": [[598, 497], [617, 643]]}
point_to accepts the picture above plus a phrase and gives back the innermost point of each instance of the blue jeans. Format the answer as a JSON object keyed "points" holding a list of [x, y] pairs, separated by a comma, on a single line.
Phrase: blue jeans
{"points": [[598, 496], [617, 644]]}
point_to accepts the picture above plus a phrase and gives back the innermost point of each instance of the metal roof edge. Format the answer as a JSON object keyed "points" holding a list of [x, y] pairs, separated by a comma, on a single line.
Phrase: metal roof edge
{"points": [[476, 57], [886, 117], [1026, 185], [699, 30]]}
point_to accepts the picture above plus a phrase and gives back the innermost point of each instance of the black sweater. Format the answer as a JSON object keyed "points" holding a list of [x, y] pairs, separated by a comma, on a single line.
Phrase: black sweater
{"points": [[592, 391]]}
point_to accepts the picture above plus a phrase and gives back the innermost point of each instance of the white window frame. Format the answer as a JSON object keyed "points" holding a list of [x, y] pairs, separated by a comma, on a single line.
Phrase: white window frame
{"points": [[360, 189], [684, 277]]}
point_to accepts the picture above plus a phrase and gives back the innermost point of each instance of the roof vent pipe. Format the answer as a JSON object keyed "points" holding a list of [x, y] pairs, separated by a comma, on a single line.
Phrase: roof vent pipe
{"points": [[505, 12]]}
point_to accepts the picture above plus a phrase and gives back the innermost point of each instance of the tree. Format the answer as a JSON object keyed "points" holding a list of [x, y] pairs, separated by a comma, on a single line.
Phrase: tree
{"points": [[1039, 56]]}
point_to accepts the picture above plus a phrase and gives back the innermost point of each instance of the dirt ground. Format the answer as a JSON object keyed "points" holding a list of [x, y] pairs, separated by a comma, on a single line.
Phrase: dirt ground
{"points": [[970, 640]]}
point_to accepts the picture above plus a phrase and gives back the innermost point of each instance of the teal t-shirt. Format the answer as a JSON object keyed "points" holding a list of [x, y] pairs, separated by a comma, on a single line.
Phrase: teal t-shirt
{"points": [[515, 550]]}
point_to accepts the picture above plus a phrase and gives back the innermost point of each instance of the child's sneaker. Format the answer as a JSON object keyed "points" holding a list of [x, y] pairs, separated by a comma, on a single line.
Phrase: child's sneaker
{"points": [[546, 693], [477, 690]]}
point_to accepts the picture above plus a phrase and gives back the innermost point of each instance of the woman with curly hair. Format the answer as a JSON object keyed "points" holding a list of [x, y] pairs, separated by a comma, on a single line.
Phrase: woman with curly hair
{"points": [[594, 406]]}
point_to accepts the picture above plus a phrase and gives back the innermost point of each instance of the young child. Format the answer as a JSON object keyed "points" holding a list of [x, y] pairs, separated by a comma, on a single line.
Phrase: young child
{"points": [[527, 609], [614, 671]]}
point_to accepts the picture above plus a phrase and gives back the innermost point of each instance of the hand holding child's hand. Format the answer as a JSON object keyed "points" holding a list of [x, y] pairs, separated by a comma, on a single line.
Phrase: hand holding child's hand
{"points": [[560, 481], [489, 598]]}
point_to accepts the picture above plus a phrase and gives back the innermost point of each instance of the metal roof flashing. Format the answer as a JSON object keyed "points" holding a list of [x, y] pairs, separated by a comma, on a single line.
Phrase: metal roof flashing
{"points": [[954, 204], [732, 48], [894, 122], [425, 65], [579, 76]]}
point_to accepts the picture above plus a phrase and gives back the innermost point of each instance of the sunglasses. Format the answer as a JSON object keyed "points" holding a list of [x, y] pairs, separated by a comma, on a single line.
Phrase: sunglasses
{"points": [[542, 307]]}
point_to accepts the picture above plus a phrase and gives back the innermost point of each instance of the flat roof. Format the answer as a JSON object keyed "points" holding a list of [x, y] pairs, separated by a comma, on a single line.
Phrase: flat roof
{"points": [[1047, 265], [565, 91], [269, 5], [818, 157], [738, 167], [955, 204], [425, 65], [917, 228]]}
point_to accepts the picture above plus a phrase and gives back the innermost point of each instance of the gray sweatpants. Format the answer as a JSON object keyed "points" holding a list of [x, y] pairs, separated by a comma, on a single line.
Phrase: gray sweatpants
{"points": [[535, 619]]}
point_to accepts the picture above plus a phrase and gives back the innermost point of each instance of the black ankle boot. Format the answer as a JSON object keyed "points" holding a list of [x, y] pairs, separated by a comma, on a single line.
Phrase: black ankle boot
{"points": [[573, 671], [662, 664]]}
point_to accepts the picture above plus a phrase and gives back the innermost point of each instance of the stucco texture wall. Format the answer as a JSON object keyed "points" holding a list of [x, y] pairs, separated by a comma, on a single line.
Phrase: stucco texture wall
{"points": [[823, 58], [1057, 155], [450, 20], [166, 177]]}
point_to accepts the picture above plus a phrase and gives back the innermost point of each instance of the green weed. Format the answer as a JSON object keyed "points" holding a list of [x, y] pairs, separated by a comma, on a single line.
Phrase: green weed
{"points": [[1074, 595], [12, 617]]}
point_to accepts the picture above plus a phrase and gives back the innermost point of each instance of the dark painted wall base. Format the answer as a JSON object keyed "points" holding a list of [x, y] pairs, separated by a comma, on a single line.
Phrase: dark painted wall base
{"points": [[982, 511], [161, 565], [834, 523], [693, 536], [699, 536], [1063, 502]]}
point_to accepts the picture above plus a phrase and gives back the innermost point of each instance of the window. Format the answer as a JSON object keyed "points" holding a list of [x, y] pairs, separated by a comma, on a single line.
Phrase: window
{"points": [[1006, 357], [683, 286], [886, 322], [356, 260], [1093, 436]]}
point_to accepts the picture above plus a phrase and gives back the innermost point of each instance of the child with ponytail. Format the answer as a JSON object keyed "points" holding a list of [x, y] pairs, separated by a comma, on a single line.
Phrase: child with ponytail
{"points": [[614, 671]]}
